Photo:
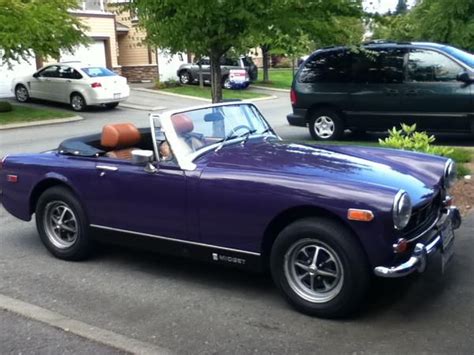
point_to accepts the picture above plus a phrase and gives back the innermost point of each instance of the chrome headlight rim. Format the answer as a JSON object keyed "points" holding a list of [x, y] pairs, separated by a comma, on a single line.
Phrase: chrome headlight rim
{"points": [[401, 204], [449, 177]]}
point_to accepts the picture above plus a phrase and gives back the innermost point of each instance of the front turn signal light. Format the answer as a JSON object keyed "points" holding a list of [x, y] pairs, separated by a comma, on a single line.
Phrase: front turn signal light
{"points": [[355, 214]]}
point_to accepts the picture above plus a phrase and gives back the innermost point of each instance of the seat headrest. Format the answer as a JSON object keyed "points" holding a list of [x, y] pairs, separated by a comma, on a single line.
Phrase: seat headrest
{"points": [[182, 124], [120, 135]]}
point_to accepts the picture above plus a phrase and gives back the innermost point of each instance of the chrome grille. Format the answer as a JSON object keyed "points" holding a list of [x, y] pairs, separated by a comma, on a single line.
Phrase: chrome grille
{"points": [[422, 217]]}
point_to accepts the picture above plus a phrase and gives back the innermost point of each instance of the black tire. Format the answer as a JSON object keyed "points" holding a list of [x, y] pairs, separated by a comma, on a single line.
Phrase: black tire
{"points": [[61, 242], [78, 103], [112, 105], [347, 291], [226, 82], [185, 77], [334, 125], [21, 93]]}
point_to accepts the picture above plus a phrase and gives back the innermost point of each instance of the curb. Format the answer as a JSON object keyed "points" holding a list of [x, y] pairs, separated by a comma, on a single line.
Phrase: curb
{"points": [[141, 107], [84, 330], [41, 123], [269, 89], [271, 97]]}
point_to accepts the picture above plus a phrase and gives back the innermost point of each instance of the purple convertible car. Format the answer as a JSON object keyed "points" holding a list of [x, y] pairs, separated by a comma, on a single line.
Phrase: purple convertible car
{"points": [[217, 184]]}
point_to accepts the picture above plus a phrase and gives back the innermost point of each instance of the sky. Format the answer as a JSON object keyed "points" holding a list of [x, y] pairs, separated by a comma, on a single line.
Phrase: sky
{"points": [[382, 6]]}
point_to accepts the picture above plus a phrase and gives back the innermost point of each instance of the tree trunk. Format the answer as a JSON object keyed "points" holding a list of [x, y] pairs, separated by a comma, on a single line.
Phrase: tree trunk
{"points": [[216, 77], [266, 61]]}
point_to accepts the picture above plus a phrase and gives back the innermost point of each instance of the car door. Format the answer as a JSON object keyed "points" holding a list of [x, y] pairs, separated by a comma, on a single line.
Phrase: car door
{"points": [[130, 199], [40, 84], [375, 91], [205, 68], [60, 85], [432, 97]]}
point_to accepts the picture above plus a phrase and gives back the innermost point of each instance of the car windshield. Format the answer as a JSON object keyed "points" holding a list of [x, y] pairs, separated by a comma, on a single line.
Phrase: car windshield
{"points": [[461, 55], [200, 128], [94, 72]]}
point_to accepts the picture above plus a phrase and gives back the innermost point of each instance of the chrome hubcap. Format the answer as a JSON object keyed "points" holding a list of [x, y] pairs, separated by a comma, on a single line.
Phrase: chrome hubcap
{"points": [[61, 224], [77, 102], [324, 126], [227, 84], [21, 94], [314, 271]]}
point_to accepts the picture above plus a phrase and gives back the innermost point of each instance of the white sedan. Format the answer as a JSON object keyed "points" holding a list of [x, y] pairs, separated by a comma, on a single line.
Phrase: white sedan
{"points": [[78, 84]]}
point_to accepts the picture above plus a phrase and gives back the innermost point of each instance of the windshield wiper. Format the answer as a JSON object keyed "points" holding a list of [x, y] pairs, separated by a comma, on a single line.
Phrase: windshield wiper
{"points": [[231, 136]]}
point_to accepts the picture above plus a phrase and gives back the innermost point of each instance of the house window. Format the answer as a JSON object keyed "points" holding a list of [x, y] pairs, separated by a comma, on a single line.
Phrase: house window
{"points": [[92, 5]]}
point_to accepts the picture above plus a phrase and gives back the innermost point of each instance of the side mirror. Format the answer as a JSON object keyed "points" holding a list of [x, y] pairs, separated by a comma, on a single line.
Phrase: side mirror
{"points": [[35, 75], [465, 77], [141, 157]]}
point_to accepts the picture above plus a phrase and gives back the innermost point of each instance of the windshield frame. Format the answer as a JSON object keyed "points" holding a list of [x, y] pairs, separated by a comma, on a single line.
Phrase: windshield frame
{"points": [[186, 161], [461, 55]]}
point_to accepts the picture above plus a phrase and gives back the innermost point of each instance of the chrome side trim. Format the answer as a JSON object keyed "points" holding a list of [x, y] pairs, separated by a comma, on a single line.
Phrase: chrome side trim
{"points": [[174, 240]]}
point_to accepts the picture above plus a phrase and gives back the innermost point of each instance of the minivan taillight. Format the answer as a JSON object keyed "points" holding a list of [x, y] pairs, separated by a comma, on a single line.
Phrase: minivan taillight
{"points": [[293, 97], [96, 85]]}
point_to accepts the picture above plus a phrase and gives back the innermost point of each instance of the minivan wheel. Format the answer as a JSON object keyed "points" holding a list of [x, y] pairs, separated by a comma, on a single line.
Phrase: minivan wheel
{"points": [[326, 125]]}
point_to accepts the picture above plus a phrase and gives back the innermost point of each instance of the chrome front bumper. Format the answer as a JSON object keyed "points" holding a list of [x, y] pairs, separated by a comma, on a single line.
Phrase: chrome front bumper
{"points": [[419, 258]]}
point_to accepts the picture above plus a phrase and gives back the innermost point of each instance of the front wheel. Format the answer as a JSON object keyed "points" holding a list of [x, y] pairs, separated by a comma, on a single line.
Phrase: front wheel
{"points": [[226, 84], [185, 77], [320, 268], [62, 224], [326, 125]]}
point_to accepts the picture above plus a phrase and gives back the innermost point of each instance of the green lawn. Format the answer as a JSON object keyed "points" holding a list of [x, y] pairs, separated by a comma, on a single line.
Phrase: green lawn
{"points": [[194, 90], [21, 114], [279, 78]]}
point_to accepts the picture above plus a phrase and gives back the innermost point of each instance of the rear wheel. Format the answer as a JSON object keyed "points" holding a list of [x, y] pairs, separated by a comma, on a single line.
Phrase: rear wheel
{"points": [[21, 93], [320, 268], [62, 224], [112, 105], [78, 103], [326, 125]]}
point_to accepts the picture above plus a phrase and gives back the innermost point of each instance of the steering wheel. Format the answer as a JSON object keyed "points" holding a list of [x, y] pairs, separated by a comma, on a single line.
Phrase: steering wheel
{"points": [[235, 129]]}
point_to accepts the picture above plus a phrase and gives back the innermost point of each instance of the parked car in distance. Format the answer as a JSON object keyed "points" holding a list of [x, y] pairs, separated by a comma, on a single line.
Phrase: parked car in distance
{"points": [[322, 219], [75, 83], [189, 73], [383, 85]]}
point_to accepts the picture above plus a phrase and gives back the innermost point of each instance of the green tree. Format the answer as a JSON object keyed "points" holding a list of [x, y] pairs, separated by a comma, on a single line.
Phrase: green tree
{"points": [[206, 28], [38, 27], [401, 7]]}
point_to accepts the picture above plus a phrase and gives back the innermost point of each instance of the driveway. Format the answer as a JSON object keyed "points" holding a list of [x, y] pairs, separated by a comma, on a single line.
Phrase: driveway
{"points": [[194, 308]]}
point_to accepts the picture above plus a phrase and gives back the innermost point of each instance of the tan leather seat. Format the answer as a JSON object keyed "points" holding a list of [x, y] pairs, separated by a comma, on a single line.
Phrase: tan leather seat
{"points": [[119, 139], [184, 127]]}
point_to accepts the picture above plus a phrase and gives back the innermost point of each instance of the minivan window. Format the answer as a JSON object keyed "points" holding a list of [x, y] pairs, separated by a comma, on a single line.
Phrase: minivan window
{"points": [[378, 65], [428, 65], [326, 67]]}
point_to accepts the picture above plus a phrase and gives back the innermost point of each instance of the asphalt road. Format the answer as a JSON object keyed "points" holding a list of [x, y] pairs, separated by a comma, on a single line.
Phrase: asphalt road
{"points": [[194, 308]]}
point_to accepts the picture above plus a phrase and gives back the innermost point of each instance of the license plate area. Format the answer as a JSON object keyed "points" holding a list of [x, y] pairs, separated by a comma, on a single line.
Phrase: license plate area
{"points": [[447, 250], [117, 96]]}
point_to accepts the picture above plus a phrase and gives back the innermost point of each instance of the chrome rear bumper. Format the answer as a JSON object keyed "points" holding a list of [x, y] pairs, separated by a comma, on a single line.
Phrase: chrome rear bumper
{"points": [[419, 258]]}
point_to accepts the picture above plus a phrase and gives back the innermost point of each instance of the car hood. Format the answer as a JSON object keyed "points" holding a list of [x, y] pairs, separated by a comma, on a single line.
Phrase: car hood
{"points": [[418, 174]]}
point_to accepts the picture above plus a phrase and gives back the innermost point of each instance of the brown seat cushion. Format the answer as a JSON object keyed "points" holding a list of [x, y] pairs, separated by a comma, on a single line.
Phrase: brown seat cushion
{"points": [[121, 135]]}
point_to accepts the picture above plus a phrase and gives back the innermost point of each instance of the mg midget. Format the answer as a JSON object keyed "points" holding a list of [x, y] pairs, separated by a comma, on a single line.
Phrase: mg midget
{"points": [[216, 183]]}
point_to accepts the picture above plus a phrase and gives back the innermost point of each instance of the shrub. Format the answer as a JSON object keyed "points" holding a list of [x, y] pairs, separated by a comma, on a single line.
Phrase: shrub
{"points": [[408, 138], [166, 84], [5, 106]]}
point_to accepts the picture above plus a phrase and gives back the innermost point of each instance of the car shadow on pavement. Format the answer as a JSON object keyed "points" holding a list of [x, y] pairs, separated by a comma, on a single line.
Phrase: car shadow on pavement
{"points": [[66, 107]]}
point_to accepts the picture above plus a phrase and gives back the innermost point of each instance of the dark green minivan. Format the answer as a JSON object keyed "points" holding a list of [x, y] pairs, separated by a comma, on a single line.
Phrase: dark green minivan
{"points": [[382, 85]]}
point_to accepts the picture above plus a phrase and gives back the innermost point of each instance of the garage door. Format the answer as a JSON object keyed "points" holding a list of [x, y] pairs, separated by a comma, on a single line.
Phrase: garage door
{"points": [[94, 54], [17, 69]]}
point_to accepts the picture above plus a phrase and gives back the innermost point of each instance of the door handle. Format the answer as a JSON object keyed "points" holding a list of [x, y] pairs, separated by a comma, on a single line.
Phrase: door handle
{"points": [[106, 167], [392, 92], [411, 92], [68, 81]]}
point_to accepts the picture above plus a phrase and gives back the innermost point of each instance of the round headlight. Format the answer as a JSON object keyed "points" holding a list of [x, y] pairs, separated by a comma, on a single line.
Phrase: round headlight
{"points": [[449, 174], [401, 210]]}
